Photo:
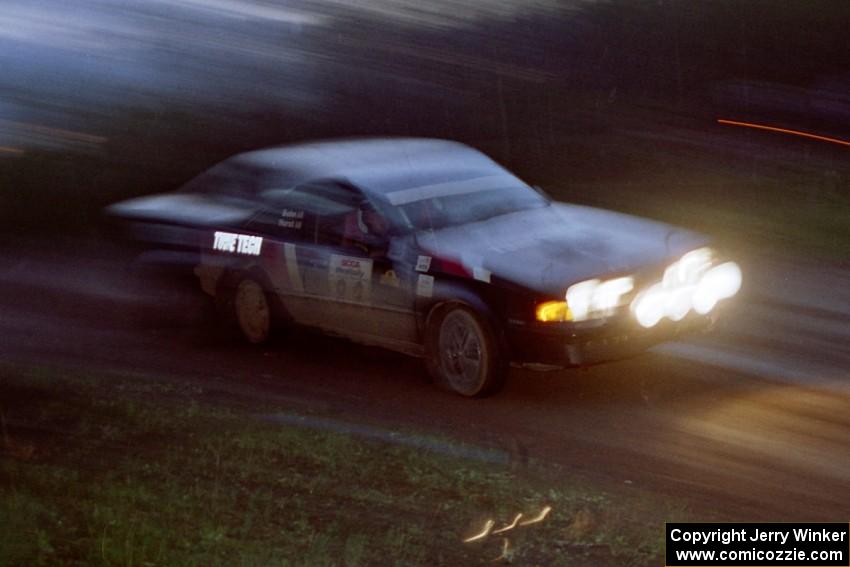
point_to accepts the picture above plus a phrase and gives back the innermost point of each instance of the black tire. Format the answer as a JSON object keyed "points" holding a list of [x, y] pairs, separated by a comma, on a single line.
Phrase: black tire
{"points": [[246, 308], [462, 352]]}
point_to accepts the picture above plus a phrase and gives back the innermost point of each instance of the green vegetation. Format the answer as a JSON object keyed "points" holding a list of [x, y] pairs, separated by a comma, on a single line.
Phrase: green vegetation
{"points": [[115, 470]]}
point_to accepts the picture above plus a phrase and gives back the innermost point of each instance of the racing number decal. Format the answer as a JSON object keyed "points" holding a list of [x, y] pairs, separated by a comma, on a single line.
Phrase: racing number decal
{"points": [[350, 278], [423, 263]]}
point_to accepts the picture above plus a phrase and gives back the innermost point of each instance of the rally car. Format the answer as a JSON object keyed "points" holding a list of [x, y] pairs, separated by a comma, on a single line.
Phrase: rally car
{"points": [[430, 248]]}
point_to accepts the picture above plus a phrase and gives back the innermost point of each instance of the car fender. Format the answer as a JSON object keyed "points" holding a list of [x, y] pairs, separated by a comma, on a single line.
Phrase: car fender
{"points": [[447, 292]]}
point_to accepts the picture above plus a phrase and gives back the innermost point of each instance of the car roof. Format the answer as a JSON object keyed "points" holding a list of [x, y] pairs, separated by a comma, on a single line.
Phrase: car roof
{"points": [[375, 165]]}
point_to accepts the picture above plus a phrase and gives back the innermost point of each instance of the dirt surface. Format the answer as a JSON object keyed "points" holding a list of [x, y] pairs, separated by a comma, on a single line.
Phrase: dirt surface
{"points": [[749, 423]]}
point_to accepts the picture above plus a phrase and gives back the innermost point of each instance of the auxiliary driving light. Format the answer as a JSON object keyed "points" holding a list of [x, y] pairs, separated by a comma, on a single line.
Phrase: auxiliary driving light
{"points": [[650, 306], [720, 282], [690, 283]]}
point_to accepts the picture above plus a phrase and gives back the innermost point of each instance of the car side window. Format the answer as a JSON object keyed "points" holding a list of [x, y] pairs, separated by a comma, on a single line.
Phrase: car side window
{"points": [[331, 229], [284, 223], [361, 228], [312, 212], [334, 202]]}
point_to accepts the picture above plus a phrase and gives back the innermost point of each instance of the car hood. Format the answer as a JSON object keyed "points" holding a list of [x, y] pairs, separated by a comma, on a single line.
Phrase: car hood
{"points": [[549, 249]]}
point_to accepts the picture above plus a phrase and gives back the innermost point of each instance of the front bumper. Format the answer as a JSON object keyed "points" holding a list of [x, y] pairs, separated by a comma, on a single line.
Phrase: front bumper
{"points": [[568, 345]]}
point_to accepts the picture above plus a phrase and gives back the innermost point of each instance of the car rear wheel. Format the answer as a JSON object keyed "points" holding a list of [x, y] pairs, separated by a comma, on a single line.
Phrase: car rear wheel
{"points": [[249, 310], [462, 353]]}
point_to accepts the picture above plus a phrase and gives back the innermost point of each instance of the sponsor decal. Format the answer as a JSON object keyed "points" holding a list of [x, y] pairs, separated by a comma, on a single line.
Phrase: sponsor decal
{"points": [[425, 285], [390, 278], [423, 263], [350, 278], [481, 274], [289, 254], [237, 243], [291, 219]]}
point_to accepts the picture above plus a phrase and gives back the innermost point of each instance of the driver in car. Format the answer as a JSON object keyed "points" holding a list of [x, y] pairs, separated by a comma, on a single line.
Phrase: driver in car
{"points": [[366, 229]]}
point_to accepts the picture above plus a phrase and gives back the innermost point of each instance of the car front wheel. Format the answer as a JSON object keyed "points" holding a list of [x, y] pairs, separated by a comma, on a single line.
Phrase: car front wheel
{"points": [[462, 353]]}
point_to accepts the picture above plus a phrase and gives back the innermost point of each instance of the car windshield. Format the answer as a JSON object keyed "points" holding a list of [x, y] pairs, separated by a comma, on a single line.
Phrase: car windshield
{"points": [[455, 202]]}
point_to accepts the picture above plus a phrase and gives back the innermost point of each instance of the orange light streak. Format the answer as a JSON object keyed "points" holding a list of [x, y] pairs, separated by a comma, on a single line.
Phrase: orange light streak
{"points": [[784, 131]]}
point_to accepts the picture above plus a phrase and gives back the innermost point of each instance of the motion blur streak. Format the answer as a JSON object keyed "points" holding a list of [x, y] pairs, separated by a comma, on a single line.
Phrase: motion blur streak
{"points": [[506, 550], [539, 518], [510, 526], [36, 132], [484, 533], [488, 526], [784, 131], [751, 420]]}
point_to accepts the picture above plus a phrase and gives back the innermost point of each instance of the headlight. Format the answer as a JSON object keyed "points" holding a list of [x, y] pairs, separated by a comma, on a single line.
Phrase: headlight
{"points": [[595, 298], [579, 298]]}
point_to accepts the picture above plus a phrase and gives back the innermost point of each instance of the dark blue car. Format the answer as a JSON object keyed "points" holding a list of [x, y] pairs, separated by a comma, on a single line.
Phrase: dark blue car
{"points": [[430, 248]]}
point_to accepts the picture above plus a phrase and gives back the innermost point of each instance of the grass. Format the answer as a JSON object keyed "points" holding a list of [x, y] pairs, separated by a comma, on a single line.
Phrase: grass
{"points": [[116, 470]]}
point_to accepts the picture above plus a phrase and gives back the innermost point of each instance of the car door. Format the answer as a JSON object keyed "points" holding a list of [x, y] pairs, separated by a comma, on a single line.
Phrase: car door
{"points": [[356, 288], [372, 295], [295, 265]]}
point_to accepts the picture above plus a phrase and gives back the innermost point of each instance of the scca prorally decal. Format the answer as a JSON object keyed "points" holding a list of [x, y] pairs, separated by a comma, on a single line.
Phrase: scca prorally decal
{"points": [[238, 243], [350, 277]]}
